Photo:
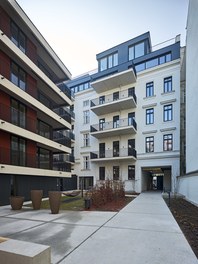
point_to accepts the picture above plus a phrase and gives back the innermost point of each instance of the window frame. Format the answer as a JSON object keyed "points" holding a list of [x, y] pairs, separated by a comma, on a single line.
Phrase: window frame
{"points": [[86, 140], [102, 173], [168, 84], [108, 61], [19, 36], [149, 144], [149, 116], [168, 113], [15, 77], [116, 173], [149, 89], [86, 163], [19, 157], [86, 117], [168, 142], [131, 172]]}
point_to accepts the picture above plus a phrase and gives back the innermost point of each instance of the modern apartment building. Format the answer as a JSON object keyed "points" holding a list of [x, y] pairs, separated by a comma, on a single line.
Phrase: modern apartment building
{"points": [[188, 181], [127, 123], [35, 115]]}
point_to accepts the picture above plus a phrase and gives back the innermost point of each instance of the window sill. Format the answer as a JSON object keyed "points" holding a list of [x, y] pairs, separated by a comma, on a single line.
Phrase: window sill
{"points": [[149, 97], [168, 93]]}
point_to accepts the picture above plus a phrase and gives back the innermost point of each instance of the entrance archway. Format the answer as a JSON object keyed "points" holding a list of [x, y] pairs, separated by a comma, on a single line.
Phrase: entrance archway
{"points": [[156, 178]]}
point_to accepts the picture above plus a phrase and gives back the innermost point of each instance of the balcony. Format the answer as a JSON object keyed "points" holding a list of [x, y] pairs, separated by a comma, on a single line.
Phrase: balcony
{"points": [[118, 76], [43, 112], [112, 154], [109, 129], [28, 159], [111, 103], [16, 54]]}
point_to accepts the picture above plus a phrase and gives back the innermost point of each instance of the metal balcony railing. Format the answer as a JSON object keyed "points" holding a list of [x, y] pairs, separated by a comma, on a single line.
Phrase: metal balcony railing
{"points": [[121, 123], [111, 98], [113, 153], [27, 159], [23, 120]]}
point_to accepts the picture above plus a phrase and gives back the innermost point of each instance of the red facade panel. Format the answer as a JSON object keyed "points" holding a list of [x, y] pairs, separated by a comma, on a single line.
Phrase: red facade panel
{"points": [[4, 147], [4, 65], [4, 106], [31, 119], [4, 22], [31, 86], [31, 51], [31, 154]]}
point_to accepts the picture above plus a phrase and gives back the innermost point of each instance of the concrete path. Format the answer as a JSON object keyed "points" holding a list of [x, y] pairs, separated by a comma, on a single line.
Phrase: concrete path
{"points": [[144, 232]]}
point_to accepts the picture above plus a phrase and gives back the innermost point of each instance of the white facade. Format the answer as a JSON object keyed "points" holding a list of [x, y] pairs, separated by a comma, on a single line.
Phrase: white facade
{"points": [[187, 185], [168, 160], [159, 162]]}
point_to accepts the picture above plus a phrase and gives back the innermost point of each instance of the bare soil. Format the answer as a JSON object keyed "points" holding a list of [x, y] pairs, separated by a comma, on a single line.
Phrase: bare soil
{"points": [[114, 206], [186, 215]]}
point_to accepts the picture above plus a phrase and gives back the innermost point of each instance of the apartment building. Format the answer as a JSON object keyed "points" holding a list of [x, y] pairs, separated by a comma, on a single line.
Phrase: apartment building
{"points": [[127, 122], [35, 114], [188, 180]]}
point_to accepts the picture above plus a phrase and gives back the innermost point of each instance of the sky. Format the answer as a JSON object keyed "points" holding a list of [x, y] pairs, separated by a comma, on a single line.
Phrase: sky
{"points": [[77, 30]]}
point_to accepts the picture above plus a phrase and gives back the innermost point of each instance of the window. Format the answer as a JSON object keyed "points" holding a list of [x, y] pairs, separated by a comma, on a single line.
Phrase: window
{"points": [[116, 172], [149, 116], [86, 140], [149, 144], [18, 76], [168, 112], [131, 117], [116, 150], [149, 89], [102, 150], [17, 37], [102, 99], [131, 172], [101, 173], [153, 62], [136, 51], [86, 117], [167, 84], [131, 91], [86, 163], [101, 123], [115, 96], [44, 129], [108, 62], [18, 113], [116, 122], [18, 151], [43, 158], [86, 103], [80, 87], [168, 142]]}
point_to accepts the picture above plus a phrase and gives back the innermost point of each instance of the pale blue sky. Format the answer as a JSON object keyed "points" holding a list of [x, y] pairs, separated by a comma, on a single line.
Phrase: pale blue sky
{"points": [[79, 29]]}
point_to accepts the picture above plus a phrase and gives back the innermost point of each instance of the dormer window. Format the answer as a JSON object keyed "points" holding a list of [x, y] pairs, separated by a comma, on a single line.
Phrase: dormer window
{"points": [[136, 51], [108, 62]]}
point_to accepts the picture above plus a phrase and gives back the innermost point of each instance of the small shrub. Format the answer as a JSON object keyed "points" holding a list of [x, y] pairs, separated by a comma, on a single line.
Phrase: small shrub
{"points": [[106, 192]]}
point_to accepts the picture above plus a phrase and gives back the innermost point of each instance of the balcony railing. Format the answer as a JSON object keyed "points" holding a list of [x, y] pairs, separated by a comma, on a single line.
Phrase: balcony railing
{"points": [[110, 98], [23, 120], [27, 159], [113, 153], [121, 123]]}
